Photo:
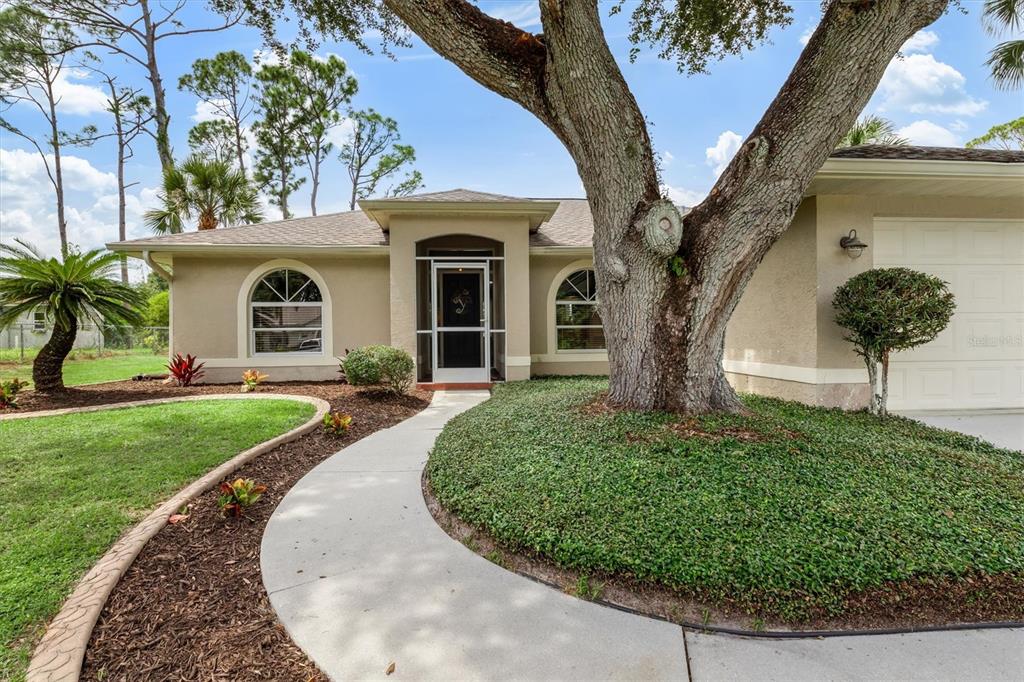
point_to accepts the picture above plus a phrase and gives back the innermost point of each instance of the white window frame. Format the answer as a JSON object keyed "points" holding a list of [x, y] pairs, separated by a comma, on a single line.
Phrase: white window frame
{"points": [[245, 338], [560, 279]]}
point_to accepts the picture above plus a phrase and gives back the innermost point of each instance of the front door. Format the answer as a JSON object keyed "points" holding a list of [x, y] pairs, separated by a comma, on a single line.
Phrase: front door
{"points": [[460, 323]]}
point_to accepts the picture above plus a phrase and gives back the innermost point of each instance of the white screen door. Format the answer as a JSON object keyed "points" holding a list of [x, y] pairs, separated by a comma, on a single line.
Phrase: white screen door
{"points": [[461, 317]]}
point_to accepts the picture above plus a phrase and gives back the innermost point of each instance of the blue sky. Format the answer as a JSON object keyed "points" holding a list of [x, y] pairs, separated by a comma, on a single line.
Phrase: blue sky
{"points": [[466, 136]]}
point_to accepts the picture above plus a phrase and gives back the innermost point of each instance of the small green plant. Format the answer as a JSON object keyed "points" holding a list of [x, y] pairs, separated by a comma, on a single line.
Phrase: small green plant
{"points": [[251, 379], [890, 309], [337, 423], [496, 557], [238, 495], [588, 589], [677, 266], [9, 391], [391, 368]]}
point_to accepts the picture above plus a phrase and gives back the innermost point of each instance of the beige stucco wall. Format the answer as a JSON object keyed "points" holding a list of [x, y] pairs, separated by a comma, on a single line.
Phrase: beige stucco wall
{"points": [[775, 319], [838, 214], [205, 319], [847, 396], [546, 273], [512, 231]]}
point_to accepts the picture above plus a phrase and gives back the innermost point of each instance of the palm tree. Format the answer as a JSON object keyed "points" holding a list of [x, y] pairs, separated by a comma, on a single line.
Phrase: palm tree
{"points": [[79, 287], [1007, 58], [209, 190], [872, 130]]}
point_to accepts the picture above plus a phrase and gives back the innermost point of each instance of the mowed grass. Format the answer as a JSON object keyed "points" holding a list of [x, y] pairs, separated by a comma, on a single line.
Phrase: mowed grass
{"points": [[72, 484], [819, 505], [85, 368]]}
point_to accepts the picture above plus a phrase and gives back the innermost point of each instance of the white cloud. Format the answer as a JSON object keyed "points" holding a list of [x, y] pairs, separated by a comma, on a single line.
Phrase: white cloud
{"points": [[721, 154], [206, 111], [682, 196], [958, 126], [929, 134], [29, 208], [522, 14], [922, 41], [666, 159], [79, 99], [921, 84], [805, 37]]}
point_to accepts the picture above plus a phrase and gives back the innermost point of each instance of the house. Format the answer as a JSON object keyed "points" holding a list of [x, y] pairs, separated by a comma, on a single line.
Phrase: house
{"points": [[480, 287], [32, 330]]}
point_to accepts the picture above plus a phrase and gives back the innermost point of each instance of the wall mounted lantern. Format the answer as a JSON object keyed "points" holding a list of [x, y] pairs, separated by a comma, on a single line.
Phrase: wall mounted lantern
{"points": [[852, 245]]}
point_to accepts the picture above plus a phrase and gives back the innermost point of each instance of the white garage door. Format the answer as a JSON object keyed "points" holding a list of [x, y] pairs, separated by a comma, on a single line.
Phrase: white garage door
{"points": [[978, 362]]}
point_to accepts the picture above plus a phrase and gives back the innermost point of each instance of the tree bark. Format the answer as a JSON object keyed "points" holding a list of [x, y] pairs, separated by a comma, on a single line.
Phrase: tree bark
{"points": [[665, 334], [48, 367], [315, 181], [121, 144], [58, 172], [883, 402], [872, 365], [163, 119]]}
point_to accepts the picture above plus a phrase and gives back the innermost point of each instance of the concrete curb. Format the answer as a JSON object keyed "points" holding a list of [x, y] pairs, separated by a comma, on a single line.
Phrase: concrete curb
{"points": [[61, 651]]}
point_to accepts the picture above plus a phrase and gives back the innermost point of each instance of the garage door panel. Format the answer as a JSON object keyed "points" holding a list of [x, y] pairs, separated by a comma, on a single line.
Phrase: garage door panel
{"points": [[978, 361]]}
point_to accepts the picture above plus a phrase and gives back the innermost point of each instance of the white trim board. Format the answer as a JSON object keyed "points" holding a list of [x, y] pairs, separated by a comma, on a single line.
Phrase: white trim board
{"points": [[803, 375]]}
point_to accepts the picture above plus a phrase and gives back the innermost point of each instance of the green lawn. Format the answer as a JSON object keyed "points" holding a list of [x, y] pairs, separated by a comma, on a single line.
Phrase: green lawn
{"points": [[73, 483], [84, 368], [789, 523]]}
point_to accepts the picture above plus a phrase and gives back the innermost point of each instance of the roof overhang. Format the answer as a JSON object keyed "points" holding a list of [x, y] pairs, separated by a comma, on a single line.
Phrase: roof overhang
{"points": [[919, 178], [381, 210]]}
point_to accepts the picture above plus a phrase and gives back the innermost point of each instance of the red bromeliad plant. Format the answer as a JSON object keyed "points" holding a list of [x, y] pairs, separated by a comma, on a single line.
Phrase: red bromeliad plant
{"points": [[239, 494], [184, 370]]}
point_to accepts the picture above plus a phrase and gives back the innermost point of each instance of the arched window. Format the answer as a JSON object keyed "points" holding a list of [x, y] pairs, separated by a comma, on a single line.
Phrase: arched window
{"points": [[286, 314], [577, 322]]}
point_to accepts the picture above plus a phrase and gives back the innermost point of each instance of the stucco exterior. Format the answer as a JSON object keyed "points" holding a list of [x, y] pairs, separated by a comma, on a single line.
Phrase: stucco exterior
{"points": [[370, 265]]}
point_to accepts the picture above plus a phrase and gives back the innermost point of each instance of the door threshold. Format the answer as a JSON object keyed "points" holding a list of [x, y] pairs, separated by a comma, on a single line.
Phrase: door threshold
{"points": [[456, 386]]}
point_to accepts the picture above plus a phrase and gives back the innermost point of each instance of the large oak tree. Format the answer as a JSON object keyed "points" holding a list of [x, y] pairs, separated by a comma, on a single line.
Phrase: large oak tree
{"points": [[665, 332]]}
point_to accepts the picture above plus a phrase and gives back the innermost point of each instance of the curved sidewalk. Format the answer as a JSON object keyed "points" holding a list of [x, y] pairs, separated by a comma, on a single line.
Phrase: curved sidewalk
{"points": [[361, 576]]}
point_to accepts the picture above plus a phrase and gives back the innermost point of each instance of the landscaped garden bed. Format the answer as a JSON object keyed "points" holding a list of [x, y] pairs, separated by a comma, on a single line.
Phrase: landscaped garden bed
{"points": [[72, 484], [193, 605], [787, 517]]}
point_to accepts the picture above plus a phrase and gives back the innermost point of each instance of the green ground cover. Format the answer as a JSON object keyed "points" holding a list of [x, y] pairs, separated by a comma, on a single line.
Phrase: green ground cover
{"points": [[783, 511]]}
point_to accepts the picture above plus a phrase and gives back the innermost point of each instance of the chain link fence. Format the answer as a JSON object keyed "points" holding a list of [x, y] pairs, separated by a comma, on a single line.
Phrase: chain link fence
{"points": [[21, 342]]}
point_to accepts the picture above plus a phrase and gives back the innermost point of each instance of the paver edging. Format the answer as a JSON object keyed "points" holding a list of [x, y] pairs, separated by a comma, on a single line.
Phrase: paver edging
{"points": [[61, 651]]}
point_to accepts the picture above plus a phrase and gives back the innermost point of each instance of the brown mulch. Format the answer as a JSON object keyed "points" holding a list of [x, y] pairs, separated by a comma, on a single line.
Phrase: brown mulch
{"points": [[193, 606], [969, 599]]}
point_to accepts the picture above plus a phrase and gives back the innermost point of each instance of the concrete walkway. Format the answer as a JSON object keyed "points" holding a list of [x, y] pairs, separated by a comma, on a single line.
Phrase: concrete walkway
{"points": [[361, 576]]}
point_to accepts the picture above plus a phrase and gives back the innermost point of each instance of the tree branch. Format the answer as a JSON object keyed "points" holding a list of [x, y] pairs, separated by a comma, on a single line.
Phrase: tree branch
{"points": [[495, 53]]}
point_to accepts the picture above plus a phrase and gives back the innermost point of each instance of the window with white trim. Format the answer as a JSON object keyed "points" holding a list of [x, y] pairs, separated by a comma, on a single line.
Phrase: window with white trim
{"points": [[577, 321], [286, 314]]}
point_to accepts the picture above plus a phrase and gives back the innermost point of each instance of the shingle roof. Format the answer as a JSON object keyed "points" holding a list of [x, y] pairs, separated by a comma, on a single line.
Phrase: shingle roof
{"points": [[911, 153], [351, 228], [458, 194]]}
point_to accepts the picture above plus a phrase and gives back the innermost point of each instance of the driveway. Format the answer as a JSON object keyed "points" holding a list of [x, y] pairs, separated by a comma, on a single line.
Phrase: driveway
{"points": [[361, 576], [1005, 429]]}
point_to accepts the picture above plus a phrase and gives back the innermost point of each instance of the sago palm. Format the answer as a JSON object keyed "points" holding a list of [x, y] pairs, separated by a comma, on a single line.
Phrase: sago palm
{"points": [[81, 286], [872, 130], [209, 191]]}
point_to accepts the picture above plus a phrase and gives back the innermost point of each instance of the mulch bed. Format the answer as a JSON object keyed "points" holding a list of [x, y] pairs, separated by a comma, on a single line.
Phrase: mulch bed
{"points": [[974, 598], [193, 605]]}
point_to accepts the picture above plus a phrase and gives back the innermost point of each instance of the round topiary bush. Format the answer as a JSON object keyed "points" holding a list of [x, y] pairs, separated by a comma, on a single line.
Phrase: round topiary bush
{"points": [[889, 309], [379, 365]]}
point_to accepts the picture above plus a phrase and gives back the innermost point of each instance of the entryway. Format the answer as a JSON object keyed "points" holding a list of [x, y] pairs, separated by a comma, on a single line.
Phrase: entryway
{"points": [[460, 320]]}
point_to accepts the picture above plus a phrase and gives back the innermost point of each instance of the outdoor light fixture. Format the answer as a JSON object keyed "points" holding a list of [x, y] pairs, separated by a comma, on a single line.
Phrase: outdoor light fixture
{"points": [[852, 245]]}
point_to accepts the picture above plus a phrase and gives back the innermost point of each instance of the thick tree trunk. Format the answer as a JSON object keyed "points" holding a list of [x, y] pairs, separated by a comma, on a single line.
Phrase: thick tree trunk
{"points": [[665, 333], [163, 119], [48, 367]]}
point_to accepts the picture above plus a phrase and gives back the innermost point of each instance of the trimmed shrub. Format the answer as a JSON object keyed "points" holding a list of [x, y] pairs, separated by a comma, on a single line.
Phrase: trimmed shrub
{"points": [[889, 309], [379, 365]]}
